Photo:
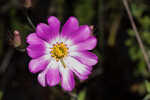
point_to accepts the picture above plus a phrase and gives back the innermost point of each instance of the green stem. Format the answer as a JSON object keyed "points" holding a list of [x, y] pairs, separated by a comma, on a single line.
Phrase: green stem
{"points": [[63, 63], [30, 22]]}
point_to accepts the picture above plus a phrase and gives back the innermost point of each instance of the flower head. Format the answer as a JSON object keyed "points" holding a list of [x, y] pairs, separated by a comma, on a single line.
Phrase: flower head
{"points": [[58, 56]]}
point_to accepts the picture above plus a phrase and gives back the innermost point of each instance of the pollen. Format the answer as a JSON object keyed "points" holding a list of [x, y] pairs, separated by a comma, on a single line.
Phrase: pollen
{"points": [[59, 51]]}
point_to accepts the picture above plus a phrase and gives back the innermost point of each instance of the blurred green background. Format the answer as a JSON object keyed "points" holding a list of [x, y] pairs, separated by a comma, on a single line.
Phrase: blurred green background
{"points": [[121, 73]]}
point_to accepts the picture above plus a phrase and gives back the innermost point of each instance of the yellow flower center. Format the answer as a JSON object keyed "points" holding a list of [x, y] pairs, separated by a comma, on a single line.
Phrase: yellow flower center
{"points": [[59, 51]]}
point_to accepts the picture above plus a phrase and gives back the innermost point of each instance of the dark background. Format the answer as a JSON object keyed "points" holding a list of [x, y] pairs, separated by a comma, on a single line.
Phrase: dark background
{"points": [[113, 77]]}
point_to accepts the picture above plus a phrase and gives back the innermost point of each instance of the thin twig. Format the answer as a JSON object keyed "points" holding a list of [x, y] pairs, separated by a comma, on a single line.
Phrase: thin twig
{"points": [[137, 34], [29, 19], [6, 60]]}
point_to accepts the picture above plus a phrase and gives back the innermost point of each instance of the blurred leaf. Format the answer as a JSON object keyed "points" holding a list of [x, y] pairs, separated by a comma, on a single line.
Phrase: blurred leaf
{"points": [[147, 97], [131, 32], [145, 21], [146, 36], [84, 11], [138, 88], [82, 95], [133, 54], [147, 86], [143, 25], [1, 95], [137, 11], [128, 42], [113, 31]]}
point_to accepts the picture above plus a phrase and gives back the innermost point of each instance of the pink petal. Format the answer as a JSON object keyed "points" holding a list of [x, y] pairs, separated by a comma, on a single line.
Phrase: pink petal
{"points": [[42, 78], [35, 51], [81, 76], [83, 33], [70, 26], [81, 70], [85, 57], [52, 74], [88, 44], [48, 33], [54, 25], [67, 78], [38, 64], [34, 39]]}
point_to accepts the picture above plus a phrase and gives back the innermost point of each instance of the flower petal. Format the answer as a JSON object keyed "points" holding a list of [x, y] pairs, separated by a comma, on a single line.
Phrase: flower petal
{"points": [[34, 39], [70, 26], [81, 70], [88, 44], [42, 78], [54, 25], [35, 51], [39, 64], [52, 75], [85, 57], [47, 33], [67, 78], [81, 34], [43, 31], [81, 76]]}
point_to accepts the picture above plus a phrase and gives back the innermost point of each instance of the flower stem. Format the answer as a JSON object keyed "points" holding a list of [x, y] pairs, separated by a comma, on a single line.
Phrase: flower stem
{"points": [[137, 34], [63, 63], [28, 18], [30, 22]]}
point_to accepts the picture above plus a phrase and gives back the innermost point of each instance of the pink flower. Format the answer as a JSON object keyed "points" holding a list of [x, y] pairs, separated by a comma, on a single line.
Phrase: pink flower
{"points": [[59, 55]]}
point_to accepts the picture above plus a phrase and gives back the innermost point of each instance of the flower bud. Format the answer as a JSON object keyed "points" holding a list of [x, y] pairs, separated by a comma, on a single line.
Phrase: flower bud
{"points": [[92, 27], [28, 4], [16, 39]]}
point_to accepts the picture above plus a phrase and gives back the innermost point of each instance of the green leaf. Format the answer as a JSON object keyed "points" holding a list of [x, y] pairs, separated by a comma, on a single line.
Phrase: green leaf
{"points": [[147, 86], [147, 97], [131, 33], [82, 95], [84, 11], [1, 95], [136, 10]]}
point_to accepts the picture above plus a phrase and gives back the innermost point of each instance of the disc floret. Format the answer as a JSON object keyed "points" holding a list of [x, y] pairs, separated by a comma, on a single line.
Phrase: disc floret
{"points": [[59, 51]]}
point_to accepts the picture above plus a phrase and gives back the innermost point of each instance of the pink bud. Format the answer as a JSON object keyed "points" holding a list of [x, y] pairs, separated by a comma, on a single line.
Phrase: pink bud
{"points": [[92, 27], [28, 3], [17, 39]]}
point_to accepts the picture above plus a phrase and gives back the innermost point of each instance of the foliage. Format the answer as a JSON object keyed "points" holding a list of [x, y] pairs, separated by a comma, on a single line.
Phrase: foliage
{"points": [[84, 11], [147, 84], [143, 21], [82, 95]]}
